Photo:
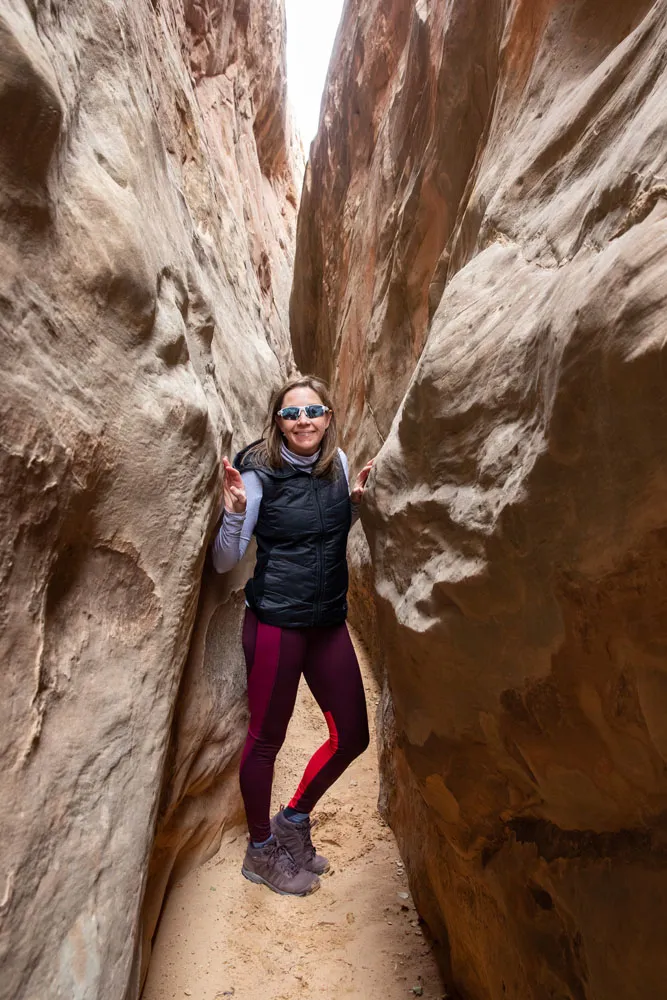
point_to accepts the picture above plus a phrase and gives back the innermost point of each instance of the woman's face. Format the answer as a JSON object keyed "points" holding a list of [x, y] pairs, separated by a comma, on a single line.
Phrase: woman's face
{"points": [[303, 436]]}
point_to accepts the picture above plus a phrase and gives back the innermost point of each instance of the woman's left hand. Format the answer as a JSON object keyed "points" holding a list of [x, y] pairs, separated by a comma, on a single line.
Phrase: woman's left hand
{"points": [[357, 491]]}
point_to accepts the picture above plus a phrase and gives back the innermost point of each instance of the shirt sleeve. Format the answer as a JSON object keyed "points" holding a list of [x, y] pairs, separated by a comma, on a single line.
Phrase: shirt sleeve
{"points": [[236, 530], [356, 508]]}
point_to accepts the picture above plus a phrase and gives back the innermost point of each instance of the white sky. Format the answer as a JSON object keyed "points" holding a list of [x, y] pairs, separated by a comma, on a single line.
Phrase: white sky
{"points": [[311, 30]]}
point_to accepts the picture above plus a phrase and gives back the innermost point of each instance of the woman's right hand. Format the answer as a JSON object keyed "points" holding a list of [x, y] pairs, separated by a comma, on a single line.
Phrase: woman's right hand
{"points": [[233, 489]]}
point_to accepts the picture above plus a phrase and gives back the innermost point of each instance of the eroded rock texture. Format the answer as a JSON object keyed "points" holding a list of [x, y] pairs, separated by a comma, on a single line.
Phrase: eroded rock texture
{"points": [[147, 214], [502, 168]]}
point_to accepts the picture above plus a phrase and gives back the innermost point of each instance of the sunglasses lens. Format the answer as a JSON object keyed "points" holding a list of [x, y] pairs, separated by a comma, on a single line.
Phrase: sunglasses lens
{"points": [[315, 410], [290, 413]]}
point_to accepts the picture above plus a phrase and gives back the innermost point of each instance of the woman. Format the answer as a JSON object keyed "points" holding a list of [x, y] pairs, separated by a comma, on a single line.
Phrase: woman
{"points": [[291, 489]]}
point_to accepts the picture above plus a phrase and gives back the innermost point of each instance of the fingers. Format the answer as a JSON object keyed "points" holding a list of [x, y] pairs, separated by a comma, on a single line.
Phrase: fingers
{"points": [[235, 499], [359, 489], [231, 474]]}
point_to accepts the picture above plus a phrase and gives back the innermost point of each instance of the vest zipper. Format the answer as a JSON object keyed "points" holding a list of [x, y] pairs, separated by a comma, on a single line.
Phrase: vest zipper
{"points": [[320, 553]]}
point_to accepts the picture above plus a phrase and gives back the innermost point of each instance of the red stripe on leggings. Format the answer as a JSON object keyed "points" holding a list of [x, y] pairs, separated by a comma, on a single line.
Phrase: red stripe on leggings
{"points": [[318, 760], [262, 678]]}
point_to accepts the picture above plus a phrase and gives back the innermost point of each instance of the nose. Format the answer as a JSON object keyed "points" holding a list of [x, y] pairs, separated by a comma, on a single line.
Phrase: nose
{"points": [[303, 419]]}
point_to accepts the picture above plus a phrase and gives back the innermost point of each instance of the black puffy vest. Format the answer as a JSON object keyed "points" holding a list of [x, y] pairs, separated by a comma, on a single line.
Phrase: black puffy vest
{"points": [[300, 577]]}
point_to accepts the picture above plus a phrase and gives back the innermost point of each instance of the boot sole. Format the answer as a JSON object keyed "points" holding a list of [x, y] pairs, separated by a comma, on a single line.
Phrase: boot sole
{"points": [[258, 880]]}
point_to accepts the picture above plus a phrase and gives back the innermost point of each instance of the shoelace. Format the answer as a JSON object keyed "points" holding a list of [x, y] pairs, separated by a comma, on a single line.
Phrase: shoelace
{"points": [[284, 860], [304, 830]]}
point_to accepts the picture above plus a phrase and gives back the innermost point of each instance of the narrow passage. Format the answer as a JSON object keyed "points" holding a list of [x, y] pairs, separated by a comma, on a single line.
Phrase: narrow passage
{"points": [[358, 936]]}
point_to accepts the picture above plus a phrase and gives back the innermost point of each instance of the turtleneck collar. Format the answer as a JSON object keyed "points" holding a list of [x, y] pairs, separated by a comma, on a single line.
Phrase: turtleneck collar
{"points": [[299, 461]]}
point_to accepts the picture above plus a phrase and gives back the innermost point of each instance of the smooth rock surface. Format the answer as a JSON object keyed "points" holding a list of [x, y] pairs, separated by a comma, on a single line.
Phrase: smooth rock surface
{"points": [[148, 185], [518, 511]]}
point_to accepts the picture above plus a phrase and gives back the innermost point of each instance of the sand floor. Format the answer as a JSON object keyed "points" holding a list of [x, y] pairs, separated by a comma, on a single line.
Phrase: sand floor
{"points": [[357, 936]]}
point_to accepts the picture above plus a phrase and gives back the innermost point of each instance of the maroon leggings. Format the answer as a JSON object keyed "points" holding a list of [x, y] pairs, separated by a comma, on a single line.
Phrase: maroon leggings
{"points": [[276, 658]]}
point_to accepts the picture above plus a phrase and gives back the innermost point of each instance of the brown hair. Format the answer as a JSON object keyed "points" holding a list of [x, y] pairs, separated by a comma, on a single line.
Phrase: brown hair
{"points": [[268, 449]]}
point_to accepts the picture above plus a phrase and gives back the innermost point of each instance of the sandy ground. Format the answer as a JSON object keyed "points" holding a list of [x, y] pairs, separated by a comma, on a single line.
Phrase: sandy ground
{"points": [[357, 936]]}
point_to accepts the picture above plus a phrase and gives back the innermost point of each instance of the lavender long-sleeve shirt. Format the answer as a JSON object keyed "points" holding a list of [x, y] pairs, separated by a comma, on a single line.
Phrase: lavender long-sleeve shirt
{"points": [[236, 530]]}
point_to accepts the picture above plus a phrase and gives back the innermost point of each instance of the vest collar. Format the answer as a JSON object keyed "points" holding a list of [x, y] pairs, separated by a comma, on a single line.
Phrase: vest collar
{"points": [[246, 461]]}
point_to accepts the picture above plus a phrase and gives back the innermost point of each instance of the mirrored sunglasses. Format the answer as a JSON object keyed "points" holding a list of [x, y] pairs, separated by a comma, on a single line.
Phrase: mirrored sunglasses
{"points": [[312, 411]]}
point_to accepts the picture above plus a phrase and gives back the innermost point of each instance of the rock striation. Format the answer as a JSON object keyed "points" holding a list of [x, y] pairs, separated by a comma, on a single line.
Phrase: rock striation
{"points": [[481, 269], [148, 189]]}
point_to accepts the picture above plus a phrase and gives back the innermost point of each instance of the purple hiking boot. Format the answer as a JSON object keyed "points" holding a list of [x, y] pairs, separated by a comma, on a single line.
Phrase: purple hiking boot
{"points": [[272, 865]]}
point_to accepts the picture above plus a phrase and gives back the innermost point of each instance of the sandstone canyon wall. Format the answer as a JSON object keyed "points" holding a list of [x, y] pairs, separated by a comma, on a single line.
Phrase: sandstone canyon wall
{"points": [[481, 270], [147, 219]]}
